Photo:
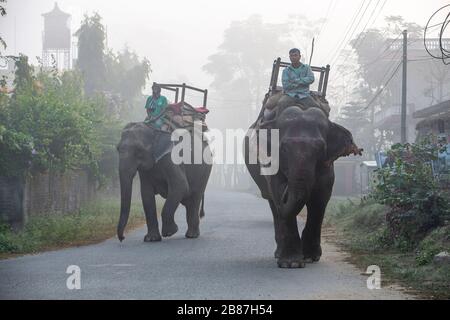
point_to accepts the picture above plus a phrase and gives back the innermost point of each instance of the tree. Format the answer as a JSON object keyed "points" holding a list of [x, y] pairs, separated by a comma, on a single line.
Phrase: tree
{"points": [[49, 123], [127, 75], [241, 68], [91, 52], [120, 77]]}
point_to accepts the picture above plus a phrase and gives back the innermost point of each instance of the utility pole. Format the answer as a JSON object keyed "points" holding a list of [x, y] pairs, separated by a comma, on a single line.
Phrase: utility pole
{"points": [[405, 64]]}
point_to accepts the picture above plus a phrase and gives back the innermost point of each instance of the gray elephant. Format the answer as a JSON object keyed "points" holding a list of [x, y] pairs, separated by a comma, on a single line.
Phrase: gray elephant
{"points": [[177, 183], [309, 144]]}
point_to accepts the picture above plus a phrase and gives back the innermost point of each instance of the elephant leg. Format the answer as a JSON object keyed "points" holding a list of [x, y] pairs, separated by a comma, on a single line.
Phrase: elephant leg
{"points": [[290, 253], [289, 244], [193, 216], [312, 232], [275, 187], [276, 224], [177, 189], [149, 203], [169, 227]]}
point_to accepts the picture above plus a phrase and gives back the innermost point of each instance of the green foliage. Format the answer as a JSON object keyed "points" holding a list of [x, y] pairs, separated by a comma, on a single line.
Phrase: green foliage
{"points": [[94, 222], [362, 229], [363, 222], [408, 187], [437, 241], [48, 123]]}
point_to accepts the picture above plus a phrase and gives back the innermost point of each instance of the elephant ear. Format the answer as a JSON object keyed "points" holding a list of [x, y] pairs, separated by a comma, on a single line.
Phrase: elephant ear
{"points": [[340, 144]]}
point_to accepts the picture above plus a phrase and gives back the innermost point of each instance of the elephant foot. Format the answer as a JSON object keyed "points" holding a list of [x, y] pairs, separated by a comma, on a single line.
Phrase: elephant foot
{"points": [[291, 263], [152, 237], [312, 255], [169, 229], [192, 234]]}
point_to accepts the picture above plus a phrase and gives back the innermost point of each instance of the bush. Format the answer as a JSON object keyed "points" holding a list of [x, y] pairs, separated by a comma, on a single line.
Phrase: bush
{"points": [[437, 241], [408, 187], [49, 124]]}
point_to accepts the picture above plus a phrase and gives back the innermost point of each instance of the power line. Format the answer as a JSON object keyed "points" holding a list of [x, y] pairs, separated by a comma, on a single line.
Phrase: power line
{"points": [[347, 30], [444, 53], [388, 70], [326, 17], [382, 55], [383, 87], [352, 33], [356, 44], [373, 63], [374, 20]]}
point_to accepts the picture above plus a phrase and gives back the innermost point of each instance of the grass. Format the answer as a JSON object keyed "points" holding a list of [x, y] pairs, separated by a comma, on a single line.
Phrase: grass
{"points": [[93, 223], [362, 230]]}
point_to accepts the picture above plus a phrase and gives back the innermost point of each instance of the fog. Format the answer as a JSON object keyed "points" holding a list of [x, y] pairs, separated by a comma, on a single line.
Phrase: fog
{"points": [[181, 39], [178, 36]]}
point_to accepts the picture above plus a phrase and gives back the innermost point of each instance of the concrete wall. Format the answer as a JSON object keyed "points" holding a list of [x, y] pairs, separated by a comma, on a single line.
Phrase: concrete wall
{"points": [[57, 193], [43, 193]]}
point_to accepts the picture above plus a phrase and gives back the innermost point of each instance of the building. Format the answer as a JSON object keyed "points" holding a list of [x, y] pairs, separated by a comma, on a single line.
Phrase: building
{"points": [[427, 85], [56, 39], [434, 120]]}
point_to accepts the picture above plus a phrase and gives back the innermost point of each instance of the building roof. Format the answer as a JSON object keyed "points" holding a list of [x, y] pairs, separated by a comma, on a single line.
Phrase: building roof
{"points": [[434, 110], [56, 12]]}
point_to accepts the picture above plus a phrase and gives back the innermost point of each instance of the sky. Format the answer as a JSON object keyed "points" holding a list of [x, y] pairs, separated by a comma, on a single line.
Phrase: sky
{"points": [[177, 36]]}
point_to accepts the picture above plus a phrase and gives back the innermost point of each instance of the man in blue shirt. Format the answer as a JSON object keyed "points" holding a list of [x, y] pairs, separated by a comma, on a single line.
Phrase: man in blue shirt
{"points": [[296, 79]]}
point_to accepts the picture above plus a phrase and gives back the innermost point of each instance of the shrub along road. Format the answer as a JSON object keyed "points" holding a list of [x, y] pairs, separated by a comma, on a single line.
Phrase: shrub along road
{"points": [[232, 259]]}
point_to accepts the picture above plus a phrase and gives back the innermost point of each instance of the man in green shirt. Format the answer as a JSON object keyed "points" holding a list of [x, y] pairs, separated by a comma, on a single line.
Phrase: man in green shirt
{"points": [[155, 105], [296, 79]]}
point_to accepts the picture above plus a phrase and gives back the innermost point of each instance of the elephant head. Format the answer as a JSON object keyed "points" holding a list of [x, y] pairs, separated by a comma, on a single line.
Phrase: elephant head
{"points": [[135, 151], [309, 144]]}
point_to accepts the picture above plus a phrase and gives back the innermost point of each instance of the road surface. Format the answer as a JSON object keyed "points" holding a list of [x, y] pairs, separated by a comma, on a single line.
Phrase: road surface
{"points": [[232, 259]]}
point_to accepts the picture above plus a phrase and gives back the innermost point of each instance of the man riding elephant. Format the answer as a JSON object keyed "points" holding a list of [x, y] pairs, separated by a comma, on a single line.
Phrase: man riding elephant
{"points": [[155, 106], [296, 80]]}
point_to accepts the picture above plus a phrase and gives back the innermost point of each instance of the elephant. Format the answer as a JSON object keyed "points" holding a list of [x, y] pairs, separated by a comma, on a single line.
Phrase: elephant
{"points": [[177, 183], [309, 143]]}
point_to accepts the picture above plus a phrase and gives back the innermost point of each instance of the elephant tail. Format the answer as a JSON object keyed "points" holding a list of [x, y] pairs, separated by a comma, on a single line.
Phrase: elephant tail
{"points": [[202, 208]]}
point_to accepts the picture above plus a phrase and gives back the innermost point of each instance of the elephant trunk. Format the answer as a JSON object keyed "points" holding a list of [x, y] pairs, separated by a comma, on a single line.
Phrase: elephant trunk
{"points": [[126, 187], [298, 190]]}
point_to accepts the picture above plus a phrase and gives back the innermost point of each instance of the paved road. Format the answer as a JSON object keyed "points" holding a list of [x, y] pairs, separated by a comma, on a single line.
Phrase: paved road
{"points": [[233, 259]]}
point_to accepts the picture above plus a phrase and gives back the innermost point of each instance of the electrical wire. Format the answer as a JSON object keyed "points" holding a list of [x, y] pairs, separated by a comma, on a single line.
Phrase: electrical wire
{"points": [[345, 43], [349, 27], [357, 41], [383, 87], [444, 52]]}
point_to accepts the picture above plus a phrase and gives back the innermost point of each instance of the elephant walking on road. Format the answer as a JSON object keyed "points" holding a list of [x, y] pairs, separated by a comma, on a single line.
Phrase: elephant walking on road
{"points": [[309, 143], [177, 183]]}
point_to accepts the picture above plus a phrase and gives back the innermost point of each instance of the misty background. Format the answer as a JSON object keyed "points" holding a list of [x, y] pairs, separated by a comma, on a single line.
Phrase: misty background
{"points": [[228, 48]]}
